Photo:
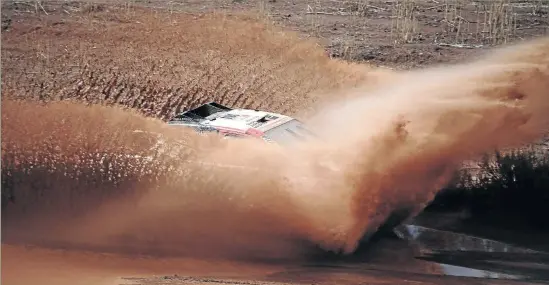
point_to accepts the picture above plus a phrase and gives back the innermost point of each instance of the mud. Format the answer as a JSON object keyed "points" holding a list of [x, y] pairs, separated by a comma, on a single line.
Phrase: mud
{"points": [[31, 265]]}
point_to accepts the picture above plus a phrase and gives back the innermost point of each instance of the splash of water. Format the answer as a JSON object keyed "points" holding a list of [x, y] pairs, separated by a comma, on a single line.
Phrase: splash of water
{"points": [[83, 176]]}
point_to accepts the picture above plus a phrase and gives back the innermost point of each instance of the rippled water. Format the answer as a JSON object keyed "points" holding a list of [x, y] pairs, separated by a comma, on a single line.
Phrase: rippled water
{"points": [[422, 255], [464, 255]]}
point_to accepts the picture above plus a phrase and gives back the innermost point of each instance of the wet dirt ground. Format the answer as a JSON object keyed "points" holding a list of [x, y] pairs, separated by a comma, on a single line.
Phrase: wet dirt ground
{"points": [[419, 255], [416, 255]]}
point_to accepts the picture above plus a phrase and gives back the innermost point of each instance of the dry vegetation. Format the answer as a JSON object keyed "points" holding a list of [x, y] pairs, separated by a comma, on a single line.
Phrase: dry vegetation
{"points": [[408, 33], [162, 62], [82, 153], [465, 23], [396, 33]]}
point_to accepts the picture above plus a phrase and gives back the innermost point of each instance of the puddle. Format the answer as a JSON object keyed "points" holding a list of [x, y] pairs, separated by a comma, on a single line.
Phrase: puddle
{"points": [[421, 255], [433, 239], [469, 256]]}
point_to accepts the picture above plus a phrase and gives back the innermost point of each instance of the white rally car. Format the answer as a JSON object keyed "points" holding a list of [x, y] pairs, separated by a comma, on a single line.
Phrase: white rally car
{"points": [[271, 127]]}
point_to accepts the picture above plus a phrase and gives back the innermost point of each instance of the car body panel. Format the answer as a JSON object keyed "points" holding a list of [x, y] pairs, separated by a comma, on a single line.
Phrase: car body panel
{"points": [[214, 117]]}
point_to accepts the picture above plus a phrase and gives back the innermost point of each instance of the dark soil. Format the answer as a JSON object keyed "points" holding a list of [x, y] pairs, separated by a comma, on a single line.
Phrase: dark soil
{"points": [[364, 31]]}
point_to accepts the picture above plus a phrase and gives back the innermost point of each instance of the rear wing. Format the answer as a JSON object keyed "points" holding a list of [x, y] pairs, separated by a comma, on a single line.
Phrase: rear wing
{"points": [[200, 113]]}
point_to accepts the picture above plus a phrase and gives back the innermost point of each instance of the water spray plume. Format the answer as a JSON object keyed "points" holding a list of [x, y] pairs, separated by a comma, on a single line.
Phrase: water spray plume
{"points": [[104, 178]]}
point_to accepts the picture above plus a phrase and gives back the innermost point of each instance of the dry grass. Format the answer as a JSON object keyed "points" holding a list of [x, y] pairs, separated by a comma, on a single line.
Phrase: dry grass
{"points": [[162, 62], [484, 22], [38, 153], [499, 23], [464, 21], [454, 24], [314, 9], [404, 25]]}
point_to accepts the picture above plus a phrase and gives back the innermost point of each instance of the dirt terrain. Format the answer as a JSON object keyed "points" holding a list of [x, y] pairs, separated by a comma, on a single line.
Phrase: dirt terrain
{"points": [[86, 205], [397, 34]]}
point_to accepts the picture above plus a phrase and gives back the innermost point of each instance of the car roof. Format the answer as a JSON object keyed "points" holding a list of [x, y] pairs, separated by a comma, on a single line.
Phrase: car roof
{"points": [[238, 120]]}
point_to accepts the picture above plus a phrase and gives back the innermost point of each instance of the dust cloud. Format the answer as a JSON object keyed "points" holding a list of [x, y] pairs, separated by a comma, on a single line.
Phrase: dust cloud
{"points": [[102, 178]]}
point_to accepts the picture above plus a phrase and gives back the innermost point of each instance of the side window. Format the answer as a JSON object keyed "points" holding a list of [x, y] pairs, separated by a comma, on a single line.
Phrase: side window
{"points": [[301, 128], [290, 131], [295, 134]]}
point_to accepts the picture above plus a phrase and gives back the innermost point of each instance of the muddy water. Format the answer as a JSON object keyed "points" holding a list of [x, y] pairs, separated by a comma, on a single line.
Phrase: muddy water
{"points": [[38, 265], [87, 184], [422, 255], [419, 256]]}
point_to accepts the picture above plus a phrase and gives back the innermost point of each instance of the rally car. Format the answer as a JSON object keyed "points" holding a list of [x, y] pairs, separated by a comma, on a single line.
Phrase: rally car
{"points": [[271, 127], [268, 126]]}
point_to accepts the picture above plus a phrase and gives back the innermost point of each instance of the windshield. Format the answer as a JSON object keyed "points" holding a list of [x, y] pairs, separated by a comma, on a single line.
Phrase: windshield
{"points": [[292, 131]]}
